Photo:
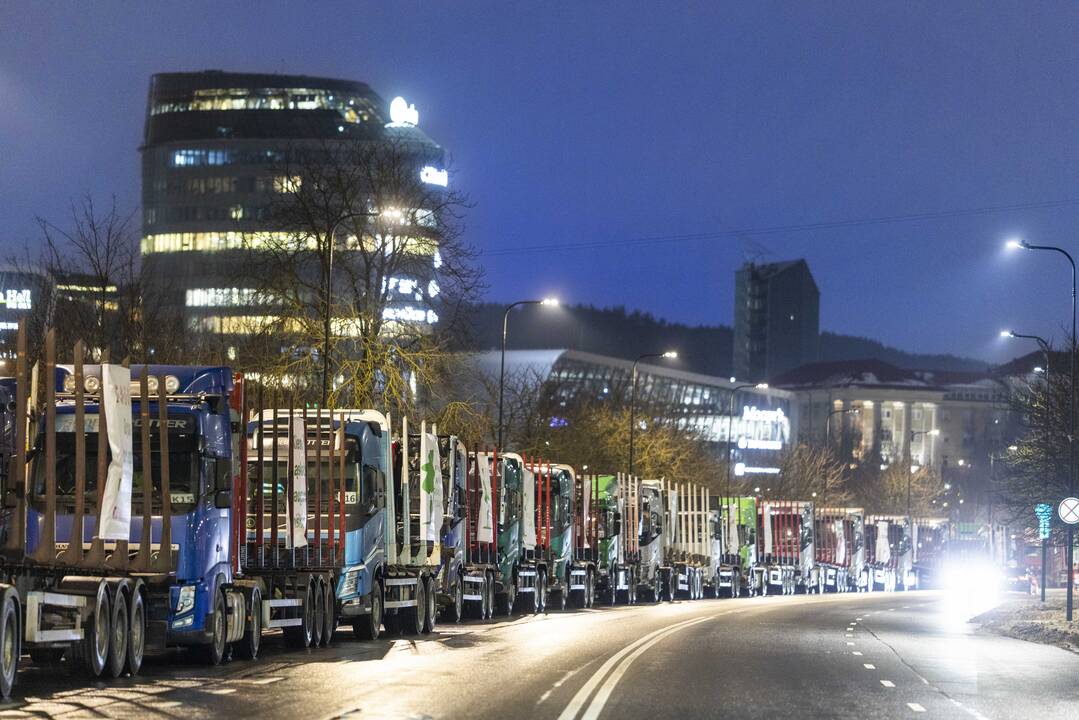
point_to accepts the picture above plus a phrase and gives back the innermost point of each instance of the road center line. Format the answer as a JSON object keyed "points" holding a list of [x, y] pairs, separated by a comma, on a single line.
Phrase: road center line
{"points": [[916, 707], [869, 666], [887, 683]]}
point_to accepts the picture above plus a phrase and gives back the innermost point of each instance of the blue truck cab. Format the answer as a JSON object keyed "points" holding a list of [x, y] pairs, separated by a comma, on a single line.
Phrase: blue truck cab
{"points": [[201, 467]]}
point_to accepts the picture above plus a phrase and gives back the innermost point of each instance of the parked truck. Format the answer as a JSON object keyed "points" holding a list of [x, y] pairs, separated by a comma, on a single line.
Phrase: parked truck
{"points": [[786, 547], [840, 548], [617, 556], [889, 558], [738, 548]]}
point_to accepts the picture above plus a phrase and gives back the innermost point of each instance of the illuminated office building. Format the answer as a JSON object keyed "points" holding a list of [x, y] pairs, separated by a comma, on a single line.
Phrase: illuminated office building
{"points": [[213, 153]]}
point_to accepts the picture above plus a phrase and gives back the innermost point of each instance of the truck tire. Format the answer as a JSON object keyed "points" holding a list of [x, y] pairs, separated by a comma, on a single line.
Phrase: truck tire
{"points": [[489, 596], [299, 636], [589, 589], [539, 597], [431, 614], [413, 618], [249, 645], [318, 618], [136, 631], [93, 650], [453, 612], [507, 600], [368, 627], [329, 624], [118, 629], [9, 642], [214, 653]]}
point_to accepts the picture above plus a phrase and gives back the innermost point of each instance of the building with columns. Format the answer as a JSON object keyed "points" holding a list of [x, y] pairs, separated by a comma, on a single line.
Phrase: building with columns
{"points": [[868, 410]]}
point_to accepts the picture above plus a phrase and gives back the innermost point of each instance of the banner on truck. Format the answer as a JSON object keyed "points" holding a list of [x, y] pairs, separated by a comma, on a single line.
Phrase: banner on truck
{"points": [[116, 499], [883, 548], [431, 504], [297, 536], [485, 532], [528, 508]]}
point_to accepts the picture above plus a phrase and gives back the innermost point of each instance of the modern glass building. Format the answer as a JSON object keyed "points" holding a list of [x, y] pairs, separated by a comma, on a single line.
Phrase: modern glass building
{"points": [[214, 158], [761, 427]]}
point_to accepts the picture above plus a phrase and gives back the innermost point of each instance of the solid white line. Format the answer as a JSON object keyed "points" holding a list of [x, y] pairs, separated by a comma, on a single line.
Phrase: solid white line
{"points": [[916, 707], [869, 666], [578, 701], [596, 706], [887, 683]]}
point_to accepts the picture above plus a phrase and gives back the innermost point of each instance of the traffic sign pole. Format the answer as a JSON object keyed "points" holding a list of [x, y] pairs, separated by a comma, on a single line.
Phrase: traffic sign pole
{"points": [[1069, 514]]}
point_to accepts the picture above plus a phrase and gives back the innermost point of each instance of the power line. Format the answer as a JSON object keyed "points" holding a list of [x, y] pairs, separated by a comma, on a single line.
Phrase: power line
{"points": [[778, 229]]}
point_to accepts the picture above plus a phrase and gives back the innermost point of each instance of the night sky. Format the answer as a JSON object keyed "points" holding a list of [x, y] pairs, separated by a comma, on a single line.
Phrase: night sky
{"points": [[717, 132]]}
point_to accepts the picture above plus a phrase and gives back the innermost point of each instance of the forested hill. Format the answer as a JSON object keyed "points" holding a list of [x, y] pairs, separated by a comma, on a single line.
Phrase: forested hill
{"points": [[703, 349]]}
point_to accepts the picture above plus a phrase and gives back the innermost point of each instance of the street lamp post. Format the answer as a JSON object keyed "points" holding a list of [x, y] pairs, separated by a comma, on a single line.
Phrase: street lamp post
{"points": [[633, 395], [910, 473], [1041, 344], [549, 302], [328, 290], [730, 443], [1070, 552]]}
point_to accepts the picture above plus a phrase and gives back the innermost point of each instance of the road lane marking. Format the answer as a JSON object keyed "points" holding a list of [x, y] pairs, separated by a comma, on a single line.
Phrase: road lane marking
{"points": [[916, 707], [577, 703], [559, 683], [849, 635], [887, 683], [855, 652], [850, 643], [869, 666]]}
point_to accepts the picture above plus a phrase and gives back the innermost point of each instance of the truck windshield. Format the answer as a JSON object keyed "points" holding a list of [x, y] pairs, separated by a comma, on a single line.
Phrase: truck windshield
{"points": [[183, 473]]}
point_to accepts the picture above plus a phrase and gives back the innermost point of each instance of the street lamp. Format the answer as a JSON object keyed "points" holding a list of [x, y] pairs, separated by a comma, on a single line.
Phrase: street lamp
{"points": [[1016, 243], [327, 290], [670, 354], [547, 302], [730, 443], [1036, 338]]}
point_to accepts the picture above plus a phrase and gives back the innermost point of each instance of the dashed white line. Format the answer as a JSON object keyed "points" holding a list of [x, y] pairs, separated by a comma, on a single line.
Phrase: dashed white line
{"points": [[869, 666], [850, 643], [849, 635], [887, 683], [855, 652], [916, 707]]}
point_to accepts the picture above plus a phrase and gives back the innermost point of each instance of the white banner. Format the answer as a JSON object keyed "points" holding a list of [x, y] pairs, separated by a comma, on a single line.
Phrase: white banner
{"points": [[730, 535], [431, 503], [116, 500], [884, 550], [484, 530], [528, 510], [672, 514], [586, 499], [840, 543], [766, 521], [298, 440]]}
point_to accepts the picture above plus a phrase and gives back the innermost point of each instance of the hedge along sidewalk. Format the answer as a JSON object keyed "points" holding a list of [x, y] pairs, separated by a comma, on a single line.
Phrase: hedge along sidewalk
{"points": [[1027, 618]]}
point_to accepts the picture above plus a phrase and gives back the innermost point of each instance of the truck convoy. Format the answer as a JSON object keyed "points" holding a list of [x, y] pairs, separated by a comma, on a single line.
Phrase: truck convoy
{"points": [[151, 506]]}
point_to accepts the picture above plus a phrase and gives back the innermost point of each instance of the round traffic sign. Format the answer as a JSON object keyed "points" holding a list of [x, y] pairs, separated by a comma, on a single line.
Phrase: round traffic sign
{"points": [[1069, 510]]}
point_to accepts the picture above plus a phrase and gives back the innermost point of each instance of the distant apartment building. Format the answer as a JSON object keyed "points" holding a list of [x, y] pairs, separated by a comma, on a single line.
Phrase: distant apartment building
{"points": [[213, 155], [776, 319]]}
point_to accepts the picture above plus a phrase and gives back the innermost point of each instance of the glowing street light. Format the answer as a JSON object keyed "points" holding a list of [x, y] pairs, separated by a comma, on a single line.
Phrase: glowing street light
{"points": [[546, 302], [669, 354], [1014, 244]]}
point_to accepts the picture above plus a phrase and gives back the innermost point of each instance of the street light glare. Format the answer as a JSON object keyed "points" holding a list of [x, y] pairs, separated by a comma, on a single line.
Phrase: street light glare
{"points": [[549, 302], [672, 354], [762, 386], [1014, 244], [934, 432], [1006, 333]]}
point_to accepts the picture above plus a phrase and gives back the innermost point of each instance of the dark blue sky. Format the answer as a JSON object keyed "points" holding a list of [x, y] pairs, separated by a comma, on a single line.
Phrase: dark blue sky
{"points": [[608, 122]]}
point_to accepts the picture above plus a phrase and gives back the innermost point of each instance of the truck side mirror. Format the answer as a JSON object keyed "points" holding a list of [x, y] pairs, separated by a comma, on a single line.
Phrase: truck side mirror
{"points": [[222, 499]]}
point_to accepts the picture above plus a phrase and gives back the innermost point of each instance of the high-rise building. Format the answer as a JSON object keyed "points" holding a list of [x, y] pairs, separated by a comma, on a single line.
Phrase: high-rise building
{"points": [[776, 319], [214, 148]]}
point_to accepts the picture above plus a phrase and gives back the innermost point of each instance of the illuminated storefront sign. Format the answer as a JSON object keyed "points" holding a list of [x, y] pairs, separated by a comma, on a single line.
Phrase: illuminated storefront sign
{"points": [[759, 429], [741, 469], [433, 176], [402, 114], [16, 299]]}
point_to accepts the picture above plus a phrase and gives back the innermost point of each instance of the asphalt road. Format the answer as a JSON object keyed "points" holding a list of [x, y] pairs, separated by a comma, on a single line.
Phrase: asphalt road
{"points": [[901, 655]]}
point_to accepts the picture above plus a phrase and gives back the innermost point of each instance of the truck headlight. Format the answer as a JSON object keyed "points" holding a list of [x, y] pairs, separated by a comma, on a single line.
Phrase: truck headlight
{"points": [[186, 600]]}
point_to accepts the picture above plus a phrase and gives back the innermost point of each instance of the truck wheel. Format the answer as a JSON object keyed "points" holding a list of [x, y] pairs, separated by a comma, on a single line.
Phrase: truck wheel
{"points": [[9, 643], [508, 599], [214, 653], [489, 595], [589, 589], [367, 627], [414, 618], [318, 619], [93, 651], [431, 615], [299, 636], [453, 612], [248, 648], [136, 632], [540, 595], [329, 625], [118, 635]]}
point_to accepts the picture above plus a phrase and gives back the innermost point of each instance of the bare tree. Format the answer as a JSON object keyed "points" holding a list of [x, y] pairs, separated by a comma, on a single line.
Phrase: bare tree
{"points": [[363, 240], [809, 472], [93, 287]]}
